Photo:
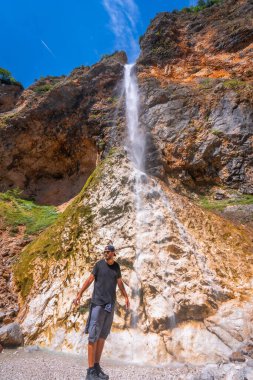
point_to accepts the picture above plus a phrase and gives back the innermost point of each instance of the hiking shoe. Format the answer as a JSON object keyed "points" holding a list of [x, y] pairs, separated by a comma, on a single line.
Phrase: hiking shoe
{"points": [[100, 372], [91, 374]]}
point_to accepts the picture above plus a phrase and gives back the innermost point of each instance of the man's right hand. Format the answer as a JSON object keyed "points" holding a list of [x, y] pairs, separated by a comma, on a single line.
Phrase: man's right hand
{"points": [[76, 301]]}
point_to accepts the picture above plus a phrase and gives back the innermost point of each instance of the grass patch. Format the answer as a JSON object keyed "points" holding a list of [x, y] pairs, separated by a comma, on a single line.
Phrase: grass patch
{"points": [[16, 211], [219, 205], [236, 84]]}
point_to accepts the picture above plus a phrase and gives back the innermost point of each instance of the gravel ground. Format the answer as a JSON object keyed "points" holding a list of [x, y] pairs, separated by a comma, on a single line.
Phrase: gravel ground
{"points": [[31, 364]]}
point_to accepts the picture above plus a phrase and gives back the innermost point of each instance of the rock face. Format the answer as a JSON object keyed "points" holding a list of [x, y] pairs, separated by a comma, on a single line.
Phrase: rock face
{"points": [[9, 95], [196, 84], [188, 271], [190, 287], [49, 142], [10, 246]]}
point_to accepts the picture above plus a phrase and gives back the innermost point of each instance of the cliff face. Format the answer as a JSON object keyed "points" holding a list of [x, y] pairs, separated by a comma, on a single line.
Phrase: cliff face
{"points": [[50, 141], [191, 284], [194, 273], [197, 85]]}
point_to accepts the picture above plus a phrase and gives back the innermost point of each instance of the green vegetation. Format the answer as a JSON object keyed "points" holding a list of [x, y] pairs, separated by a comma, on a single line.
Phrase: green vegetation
{"points": [[202, 4], [7, 78], [4, 120], [105, 56], [216, 132], [96, 115], [43, 88], [112, 99], [235, 84], [101, 145], [206, 83], [45, 84], [219, 205], [15, 211]]}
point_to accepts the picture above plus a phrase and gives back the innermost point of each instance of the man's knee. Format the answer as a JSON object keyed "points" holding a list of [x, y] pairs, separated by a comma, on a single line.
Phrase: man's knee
{"points": [[91, 343]]}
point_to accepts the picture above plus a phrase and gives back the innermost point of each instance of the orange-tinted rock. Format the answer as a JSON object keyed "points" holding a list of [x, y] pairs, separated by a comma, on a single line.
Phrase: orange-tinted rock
{"points": [[196, 84], [237, 357], [50, 143]]}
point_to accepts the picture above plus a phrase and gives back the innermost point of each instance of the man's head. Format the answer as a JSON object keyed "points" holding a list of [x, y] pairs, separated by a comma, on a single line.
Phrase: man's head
{"points": [[109, 252]]}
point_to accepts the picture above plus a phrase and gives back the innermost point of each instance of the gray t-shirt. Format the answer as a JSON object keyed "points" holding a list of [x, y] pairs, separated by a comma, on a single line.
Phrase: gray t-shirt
{"points": [[106, 277]]}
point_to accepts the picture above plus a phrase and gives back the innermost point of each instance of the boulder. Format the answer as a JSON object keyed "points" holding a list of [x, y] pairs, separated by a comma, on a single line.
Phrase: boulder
{"points": [[11, 335]]}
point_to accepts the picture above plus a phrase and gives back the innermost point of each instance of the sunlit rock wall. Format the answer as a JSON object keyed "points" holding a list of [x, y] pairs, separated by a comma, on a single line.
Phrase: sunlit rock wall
{"points": [[190, 283]]}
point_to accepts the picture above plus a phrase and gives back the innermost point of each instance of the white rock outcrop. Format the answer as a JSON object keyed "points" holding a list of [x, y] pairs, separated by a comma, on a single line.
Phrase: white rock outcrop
{"points": [[188, 273]]}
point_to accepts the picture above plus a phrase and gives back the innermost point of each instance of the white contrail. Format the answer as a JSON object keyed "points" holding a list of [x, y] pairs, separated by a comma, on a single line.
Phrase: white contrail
{"points": [[124, 15], [50, 51]]}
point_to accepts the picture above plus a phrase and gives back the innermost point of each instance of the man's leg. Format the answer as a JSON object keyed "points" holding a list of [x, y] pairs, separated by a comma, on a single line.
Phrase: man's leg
{"points": [[92, 349], [95, 326], [99, 349], [100, 344]]}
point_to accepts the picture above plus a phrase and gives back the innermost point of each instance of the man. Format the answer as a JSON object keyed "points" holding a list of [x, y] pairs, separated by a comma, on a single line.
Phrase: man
{"points": [[107, 275]]}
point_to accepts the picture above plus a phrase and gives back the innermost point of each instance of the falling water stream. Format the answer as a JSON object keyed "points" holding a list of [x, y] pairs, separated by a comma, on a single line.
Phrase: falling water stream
{"points": [[146, 188], [136, 151]]}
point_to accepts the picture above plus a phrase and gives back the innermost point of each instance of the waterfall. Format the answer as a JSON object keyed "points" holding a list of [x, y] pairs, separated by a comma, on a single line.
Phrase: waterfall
{"points": [[136, 151], [145, 188], [152, 207], [136, 144]]}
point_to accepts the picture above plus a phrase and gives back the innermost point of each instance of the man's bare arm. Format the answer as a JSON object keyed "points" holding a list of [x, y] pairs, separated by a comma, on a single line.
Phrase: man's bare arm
{"points": [[123, 292], [85, 286]]}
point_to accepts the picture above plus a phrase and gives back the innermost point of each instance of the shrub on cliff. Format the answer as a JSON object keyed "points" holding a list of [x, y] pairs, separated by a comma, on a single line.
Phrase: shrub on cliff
{"points": [[202, 4], [7, 78]]}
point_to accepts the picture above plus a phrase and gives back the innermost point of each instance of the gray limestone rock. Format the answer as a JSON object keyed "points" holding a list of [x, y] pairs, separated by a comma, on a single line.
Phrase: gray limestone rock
{"points": [[11, 335]]}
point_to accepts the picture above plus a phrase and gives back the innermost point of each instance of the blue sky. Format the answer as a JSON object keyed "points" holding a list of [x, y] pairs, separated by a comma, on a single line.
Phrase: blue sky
{"points": [[53, 37]]}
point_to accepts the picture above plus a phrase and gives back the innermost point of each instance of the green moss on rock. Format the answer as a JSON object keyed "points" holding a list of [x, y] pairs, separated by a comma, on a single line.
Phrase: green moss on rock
{"points": [[59, 241]]}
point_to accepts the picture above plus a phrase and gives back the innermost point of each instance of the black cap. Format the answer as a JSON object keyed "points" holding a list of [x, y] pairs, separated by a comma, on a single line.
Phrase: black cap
{"points": [[109, 248]]}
